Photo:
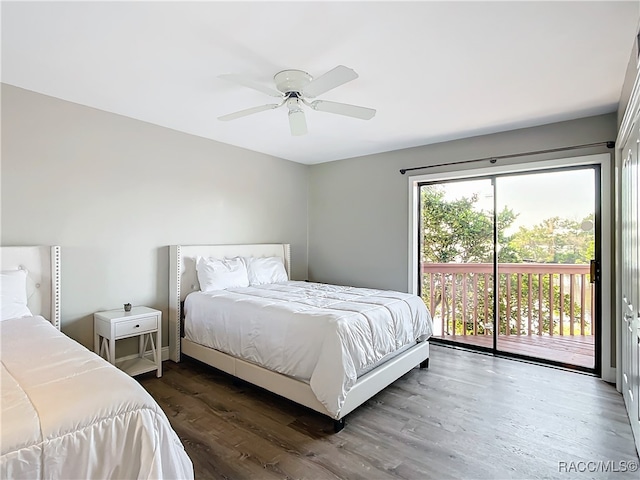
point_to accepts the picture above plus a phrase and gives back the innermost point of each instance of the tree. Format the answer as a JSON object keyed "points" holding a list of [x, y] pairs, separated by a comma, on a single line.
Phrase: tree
{"points": [[458, 231], [555, 240]]}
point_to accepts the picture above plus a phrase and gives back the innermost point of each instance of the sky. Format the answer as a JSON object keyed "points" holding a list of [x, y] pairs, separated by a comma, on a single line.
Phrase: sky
{"points": [[566, 194]]}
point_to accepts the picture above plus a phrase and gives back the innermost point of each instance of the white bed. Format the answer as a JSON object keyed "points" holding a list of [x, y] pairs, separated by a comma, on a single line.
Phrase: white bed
{"points": [[67, 413], [331, 349]]}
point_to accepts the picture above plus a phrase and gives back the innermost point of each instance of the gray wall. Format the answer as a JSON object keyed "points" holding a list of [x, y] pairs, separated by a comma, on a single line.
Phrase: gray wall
{"points": [[115, 192], [629, 78], [359, 208]]}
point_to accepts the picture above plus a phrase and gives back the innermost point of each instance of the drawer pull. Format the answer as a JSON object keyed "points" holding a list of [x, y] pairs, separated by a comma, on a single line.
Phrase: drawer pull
{"points": [[137, 326]]}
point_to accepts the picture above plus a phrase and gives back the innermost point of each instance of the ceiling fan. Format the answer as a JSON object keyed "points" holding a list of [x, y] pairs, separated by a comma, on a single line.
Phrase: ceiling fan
{"points": [[294, 88]]}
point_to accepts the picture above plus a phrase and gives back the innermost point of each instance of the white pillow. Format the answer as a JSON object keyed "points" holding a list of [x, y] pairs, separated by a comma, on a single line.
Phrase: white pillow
{"points": [[13, 294], [264, 270], [214, 274]]}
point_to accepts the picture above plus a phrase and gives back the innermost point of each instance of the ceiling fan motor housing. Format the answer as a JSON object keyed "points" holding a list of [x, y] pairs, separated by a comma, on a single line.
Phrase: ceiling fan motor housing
{"points": [[292, 81]]}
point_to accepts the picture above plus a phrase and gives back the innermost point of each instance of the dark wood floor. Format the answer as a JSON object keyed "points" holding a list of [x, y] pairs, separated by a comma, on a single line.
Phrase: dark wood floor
{"points": [[468, 416]]}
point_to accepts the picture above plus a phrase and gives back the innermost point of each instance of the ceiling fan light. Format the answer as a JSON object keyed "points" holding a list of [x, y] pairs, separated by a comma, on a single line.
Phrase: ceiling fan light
{"points": [[293, 104], [297, 122]]}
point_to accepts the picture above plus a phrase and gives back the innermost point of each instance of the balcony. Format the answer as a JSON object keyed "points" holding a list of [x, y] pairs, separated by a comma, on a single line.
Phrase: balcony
{"points": [[545, 310]]}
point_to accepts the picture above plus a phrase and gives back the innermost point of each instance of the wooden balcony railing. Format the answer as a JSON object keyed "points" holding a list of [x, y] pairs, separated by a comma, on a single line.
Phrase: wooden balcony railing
{"points": [[533, 298]]}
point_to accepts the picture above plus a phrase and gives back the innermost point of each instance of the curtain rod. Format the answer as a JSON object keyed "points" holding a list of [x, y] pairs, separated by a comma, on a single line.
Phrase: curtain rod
{"points": [[609, 144]]}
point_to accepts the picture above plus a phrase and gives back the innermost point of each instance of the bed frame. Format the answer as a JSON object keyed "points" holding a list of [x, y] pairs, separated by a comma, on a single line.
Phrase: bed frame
{"points": [[183, 280], [43, 281]]}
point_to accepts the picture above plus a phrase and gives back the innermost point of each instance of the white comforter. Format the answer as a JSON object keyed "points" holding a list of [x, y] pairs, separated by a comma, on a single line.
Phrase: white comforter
{"points": [[323, 334], [68, 414]]}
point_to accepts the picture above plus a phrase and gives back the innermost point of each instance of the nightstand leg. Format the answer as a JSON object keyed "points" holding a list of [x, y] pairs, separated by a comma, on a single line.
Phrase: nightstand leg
{"points": [[158, 353], [147, 337], [153, 348], [141, 345], [104, 351], [112, 352]]}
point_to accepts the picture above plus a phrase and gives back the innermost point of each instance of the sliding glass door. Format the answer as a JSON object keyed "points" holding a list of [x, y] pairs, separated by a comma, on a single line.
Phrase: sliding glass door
{"points": [[546, 294], [507, 263], [457, 250]]}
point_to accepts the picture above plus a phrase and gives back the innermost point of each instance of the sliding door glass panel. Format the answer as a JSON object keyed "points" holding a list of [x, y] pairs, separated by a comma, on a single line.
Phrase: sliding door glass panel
{"points": [[546, 241], [456, 259]]}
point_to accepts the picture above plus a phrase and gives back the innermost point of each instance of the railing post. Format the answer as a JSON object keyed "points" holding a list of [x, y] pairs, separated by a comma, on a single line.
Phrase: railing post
{"points": [[475, 304], [443, 303], [507, 304], [453, 303], [572, 313], [561, 320], [530, 302], [432, 293], [582, 301], [519, 305], [540, 319], [551, 304], [486, 303], [464, 303]]}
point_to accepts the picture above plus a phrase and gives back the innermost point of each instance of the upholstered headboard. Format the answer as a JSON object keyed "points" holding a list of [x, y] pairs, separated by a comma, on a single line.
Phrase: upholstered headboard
{"points": [[43, 281], [183, 278]]}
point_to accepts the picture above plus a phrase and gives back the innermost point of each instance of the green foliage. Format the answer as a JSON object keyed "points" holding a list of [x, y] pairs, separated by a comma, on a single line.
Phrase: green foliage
{"points": [[554, 240], [457, 231]]}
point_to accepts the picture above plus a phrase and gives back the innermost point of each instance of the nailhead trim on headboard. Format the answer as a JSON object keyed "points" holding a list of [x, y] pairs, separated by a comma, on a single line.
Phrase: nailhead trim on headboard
{"points": [[55, 294], [178, 323]]}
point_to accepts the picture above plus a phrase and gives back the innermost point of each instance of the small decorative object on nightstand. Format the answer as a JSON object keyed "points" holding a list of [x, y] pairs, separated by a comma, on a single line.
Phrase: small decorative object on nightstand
{"points": [[141, 322]]}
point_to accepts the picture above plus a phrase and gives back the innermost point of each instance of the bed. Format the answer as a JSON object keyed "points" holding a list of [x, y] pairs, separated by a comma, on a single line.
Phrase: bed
{"points": [[66, 412], [331, 348]]}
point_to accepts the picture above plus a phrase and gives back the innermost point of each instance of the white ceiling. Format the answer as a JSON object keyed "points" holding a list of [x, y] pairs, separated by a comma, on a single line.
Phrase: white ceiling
{"points": [[433, 70]]}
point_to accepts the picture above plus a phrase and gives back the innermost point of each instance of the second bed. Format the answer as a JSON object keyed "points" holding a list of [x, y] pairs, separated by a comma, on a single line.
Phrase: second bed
{"points": [[327, 347]]}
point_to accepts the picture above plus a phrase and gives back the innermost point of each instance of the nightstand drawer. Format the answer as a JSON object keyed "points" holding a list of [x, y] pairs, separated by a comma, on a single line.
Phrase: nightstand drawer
{"points": [[136, 326]]}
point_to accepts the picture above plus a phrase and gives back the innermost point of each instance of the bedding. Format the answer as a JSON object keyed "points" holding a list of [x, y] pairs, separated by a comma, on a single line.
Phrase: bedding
{"points": [[219, 274], [13, 294], [321, 334], [262, 270], [67, 413]]}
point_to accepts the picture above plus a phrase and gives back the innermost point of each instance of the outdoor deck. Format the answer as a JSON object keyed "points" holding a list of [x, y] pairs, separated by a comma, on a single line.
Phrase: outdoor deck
{"points": [[545, 310], [576, 350]]}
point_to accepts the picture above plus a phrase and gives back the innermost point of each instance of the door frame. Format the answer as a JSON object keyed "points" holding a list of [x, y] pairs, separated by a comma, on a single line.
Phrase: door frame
{"points": [[608, 370], [631, 115]]}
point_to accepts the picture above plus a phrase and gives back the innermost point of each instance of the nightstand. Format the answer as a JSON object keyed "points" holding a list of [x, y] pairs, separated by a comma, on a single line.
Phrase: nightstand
{"points": [[141, 322]]}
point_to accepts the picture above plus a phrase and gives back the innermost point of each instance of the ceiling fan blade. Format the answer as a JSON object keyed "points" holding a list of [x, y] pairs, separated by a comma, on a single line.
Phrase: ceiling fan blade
{"points": [[343, 109], [248, 111], [247, 82], [330, 80]]}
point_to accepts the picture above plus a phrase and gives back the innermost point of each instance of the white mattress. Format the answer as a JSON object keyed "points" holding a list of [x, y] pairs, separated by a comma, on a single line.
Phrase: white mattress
{"points": [[323, 334], [67, 413]]}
